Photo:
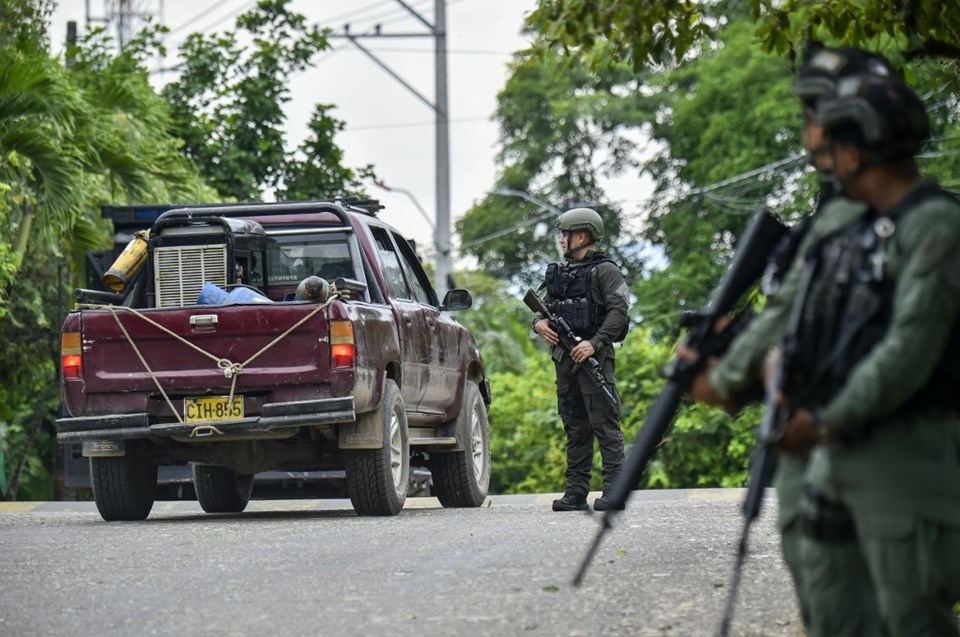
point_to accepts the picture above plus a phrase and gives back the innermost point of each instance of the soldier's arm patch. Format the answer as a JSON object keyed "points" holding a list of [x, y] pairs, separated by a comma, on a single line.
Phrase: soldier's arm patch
{"points": [[624, 292]]}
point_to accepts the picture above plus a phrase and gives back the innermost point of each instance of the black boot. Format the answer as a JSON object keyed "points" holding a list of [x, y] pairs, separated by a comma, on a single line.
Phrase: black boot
{"points": [[603, 504], [571, 502]]}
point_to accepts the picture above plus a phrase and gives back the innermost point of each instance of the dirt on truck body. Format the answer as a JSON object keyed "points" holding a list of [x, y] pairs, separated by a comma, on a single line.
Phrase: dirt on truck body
{"points": [[257, 337]]}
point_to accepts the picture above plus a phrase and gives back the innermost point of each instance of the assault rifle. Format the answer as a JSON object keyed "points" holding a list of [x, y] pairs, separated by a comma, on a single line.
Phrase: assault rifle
{"points": [[764, 460], [758, 241], [569, 340]]}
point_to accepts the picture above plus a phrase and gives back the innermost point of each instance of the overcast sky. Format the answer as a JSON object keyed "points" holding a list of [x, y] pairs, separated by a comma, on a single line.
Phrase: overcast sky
{"points": [[386, 125]]}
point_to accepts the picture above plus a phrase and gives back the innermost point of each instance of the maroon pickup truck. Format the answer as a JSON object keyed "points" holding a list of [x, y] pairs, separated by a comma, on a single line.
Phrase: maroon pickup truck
{"points": [[289, 336]]}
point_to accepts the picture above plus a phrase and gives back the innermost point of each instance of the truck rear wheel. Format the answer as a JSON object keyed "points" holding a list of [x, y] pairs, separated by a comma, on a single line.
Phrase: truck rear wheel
{"points": [[377, 479], [462, 478], [221, 490], [124, 487]]}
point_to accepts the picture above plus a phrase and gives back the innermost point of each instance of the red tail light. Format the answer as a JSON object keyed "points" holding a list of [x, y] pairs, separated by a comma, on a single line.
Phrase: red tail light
{"points": [[342, 349], [342, 355], [71, 359]]}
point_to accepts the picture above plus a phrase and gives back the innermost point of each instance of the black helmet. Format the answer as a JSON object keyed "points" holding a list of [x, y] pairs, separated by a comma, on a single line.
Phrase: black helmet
{"points": [[822, 66], [882, 115], [582, 219]]}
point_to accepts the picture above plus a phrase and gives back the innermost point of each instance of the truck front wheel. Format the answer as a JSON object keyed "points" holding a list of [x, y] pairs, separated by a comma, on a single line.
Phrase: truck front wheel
{"points": [[461, 478], [377, 479], [124, 487], [221, 490]]}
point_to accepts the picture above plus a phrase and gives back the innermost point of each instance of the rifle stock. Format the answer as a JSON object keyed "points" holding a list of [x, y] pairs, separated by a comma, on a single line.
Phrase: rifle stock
{"points": [[745, 269]]}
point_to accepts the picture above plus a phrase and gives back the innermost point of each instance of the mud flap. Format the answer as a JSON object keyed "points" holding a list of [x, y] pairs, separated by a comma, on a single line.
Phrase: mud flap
{"points": [[366, 432]]}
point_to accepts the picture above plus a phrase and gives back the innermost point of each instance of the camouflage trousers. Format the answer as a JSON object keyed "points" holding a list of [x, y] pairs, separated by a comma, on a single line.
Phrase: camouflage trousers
{"points": [[811, 565], [901, 487]]}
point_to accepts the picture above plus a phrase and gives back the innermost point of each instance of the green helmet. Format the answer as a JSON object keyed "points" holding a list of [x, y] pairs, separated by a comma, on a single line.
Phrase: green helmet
{"points": [[823, 66], [582, 219], [879, 114]]}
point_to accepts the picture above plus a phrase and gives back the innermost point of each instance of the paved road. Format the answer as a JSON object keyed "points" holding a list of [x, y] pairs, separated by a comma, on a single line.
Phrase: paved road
{"points": [[313, 567]]}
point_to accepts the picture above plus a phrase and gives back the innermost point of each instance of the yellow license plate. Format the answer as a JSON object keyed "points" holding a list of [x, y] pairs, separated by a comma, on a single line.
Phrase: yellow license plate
{"points": [[212, 408]]}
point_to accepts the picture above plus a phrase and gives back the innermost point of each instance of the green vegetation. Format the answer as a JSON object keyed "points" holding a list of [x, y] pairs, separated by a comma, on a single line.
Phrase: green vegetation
{"points": [[694, 97], [88, 129], [692, 107]]}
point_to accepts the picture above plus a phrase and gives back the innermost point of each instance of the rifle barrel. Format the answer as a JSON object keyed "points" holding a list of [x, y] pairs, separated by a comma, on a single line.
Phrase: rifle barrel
{"points": [[585, 563]]}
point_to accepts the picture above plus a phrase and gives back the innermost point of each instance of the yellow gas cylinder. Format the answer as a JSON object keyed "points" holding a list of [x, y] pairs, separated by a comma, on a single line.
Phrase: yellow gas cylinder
{"points": [[128, 264]]}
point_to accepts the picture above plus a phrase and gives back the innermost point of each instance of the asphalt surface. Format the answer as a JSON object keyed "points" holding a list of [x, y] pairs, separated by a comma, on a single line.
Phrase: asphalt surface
{"points": [[313, 567]]}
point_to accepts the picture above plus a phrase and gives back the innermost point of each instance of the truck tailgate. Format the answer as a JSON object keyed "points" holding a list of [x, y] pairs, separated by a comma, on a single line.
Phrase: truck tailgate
{"points": [[227, 334]]}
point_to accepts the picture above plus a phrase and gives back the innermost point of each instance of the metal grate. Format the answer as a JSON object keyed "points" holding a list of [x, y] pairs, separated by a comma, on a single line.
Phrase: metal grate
{"points": [[181, 272]]}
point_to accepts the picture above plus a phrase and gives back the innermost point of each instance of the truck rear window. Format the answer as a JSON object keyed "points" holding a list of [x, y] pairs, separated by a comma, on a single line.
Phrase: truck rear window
{"points": [[292, 259]]}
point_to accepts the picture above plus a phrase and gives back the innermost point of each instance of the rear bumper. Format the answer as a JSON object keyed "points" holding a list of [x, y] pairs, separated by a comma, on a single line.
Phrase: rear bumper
{"points": [[273, 416]]}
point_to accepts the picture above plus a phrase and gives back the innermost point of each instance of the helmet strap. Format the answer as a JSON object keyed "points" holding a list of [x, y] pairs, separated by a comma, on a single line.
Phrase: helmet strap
{"points": [[568, 253]]}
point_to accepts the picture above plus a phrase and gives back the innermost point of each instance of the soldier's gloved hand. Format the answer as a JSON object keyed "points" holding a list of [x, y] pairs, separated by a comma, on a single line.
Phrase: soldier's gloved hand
{"points": [[542, 327], [802, 434]]}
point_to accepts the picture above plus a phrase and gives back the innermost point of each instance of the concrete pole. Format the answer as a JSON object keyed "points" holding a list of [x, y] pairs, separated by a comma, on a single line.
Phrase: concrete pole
{"points": [[442, 232]]}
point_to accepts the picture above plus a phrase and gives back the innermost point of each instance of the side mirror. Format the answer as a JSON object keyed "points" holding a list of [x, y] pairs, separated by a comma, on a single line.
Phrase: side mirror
{"points": [[458, 299]]}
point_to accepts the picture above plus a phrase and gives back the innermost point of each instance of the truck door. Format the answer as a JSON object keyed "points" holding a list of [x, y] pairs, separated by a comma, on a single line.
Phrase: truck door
{"points": [[443, 377], [411, 322]]}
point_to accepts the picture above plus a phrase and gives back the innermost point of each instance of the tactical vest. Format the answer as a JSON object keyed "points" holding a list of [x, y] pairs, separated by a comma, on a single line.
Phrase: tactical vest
{"points": [[850, 308], [783, 254], [786, 249], [570, 287]]}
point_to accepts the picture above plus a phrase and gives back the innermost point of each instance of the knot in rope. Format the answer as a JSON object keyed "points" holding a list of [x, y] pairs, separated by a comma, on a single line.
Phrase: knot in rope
{"points": [[230, 369]]}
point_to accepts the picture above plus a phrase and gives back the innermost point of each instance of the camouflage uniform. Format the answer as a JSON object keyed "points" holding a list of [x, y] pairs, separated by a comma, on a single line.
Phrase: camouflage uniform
{"points": [[739, 369], [893, 460]]}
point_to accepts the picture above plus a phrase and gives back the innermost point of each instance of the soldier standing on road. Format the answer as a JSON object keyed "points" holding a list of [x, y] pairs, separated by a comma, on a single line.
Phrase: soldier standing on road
{"points": [[879, 366], [724, 382], [589, 292]]}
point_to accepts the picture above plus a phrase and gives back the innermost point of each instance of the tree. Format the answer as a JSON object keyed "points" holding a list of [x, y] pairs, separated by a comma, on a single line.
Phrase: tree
{"points": [[725, 113], [644, 33], [722, 126], [228, 104], [639, 32], [23, 24], [562, 128], [71, 139], [316, 170]]}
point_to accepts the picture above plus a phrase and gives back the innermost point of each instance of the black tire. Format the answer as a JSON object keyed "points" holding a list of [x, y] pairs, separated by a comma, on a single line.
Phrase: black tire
{"points": [[124, 487], [378, 479], [462, 478], [221, 490]]}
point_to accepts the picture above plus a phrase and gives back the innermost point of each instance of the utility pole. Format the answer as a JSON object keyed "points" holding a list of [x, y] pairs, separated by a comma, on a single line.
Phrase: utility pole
{"points": [[438, 31], [444, 273], [127, 16]]}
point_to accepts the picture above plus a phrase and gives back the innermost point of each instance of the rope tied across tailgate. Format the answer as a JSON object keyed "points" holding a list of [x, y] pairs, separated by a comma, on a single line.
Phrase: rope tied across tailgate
{"points": [[231, 370]]}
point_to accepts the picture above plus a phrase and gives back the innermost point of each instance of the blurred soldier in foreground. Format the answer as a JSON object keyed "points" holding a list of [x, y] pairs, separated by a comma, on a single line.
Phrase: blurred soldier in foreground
{"points": [[875, 383], [726, 381], [589, 293]]}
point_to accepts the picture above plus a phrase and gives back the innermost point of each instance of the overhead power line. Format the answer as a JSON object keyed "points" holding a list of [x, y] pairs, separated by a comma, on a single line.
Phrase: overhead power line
{"points": [[189, 22]]}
